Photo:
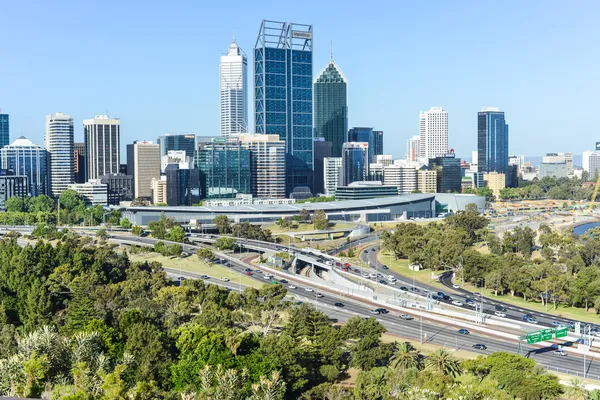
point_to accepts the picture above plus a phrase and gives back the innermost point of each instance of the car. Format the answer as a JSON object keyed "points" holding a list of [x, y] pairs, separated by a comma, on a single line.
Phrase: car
{"points": [[472, 305], [357, 270], [346, 264], [463, 331], [441, 294], [477, 294], [404, 288], [299, 302], [204, 277], [374, 312], [380, 275], [291, 287], [469, 301], [338, 264], [328, 263], [435, 297], [225, 279], [319, 295], [249, 273], [479, 346], [532, 321], [392, 282], [309, 289], [414, 289], [266, 277], [338, 304], [525, 317], [384, 266], [447, 298], [457, 303], [405, 317], [365, 275], [283, 281], [383, 282], [455, 286], [344, 269], [248, 270], [372, 276], [499, 314], [366, 251], [561, 353], [499, 307], [555, 323], [382, 310]]}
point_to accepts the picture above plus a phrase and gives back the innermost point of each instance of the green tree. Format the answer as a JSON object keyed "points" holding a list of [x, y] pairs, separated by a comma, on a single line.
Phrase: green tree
{"points": [[125, 224], [137, 230], [405, 356], [101, 234], [176, 234], [205, 254], [40, 204], [443, 362], [222, 224], [469, 220], [15, 204], [225, 243], [320, 220]]}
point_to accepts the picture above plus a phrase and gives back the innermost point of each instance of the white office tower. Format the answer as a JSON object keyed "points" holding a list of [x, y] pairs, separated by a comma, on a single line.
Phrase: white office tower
{"points": [[384, 159], [178, 157], [433, 128], [413, 146], [474, 161], [591, 163], [102, 137], [267, 155], [404, 177], [519, 161], [234, 105], [559, 158], [59, 143], [331, 170]]}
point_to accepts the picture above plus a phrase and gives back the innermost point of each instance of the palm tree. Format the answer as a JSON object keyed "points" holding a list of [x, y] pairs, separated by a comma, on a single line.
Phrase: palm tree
{"points": [[576, 390], [443, 362], [406, 356]]}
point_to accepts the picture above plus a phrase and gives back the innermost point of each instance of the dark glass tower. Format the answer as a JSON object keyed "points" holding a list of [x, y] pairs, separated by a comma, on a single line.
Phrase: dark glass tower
{"points": [[331, 107], [283, 94], [322, 150], [355, 165], [374, 138], [4, 132], [448, 172], [492, 141], [170, 142]]}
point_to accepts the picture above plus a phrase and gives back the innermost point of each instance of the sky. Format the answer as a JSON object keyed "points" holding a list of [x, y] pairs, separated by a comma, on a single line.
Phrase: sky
{"points": [[155, 65]]}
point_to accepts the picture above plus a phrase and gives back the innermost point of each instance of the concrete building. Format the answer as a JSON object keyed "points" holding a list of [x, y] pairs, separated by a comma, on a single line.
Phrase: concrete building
{"points": [[143, 166], [384, 159], [119, 188], [355, 164], [27, 159], [245, 200], [496, 182], [233, 85], [553, 169], [178, 143], [79, 163], [566, 158], [267, 159], [433, 129], [426, 181], [178, 157], [591, 163], [159, 190], [58, 141], [365, 190], [102, 136], [12, 185], [94, 192], [403, 177], [332, 167], [413, 148]]}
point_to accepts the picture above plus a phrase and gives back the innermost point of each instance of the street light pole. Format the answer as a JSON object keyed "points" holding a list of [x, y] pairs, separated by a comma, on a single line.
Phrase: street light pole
{"points": [[421, 327]]}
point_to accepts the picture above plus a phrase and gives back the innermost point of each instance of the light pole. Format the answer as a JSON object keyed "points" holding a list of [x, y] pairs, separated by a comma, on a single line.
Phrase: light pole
{"points": [[421, 326]]}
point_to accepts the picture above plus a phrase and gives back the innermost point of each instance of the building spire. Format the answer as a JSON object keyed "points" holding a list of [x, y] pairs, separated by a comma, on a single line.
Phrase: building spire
{"points": [[233, 36], [331, 50]]}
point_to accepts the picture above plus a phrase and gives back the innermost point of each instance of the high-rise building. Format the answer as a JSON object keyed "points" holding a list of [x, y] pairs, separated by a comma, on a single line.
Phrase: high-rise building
{"points": [[448, 173], [283, 94], [331, 108], [12, 185], [368, 135], [590, 161], [79, 164], [492, 141], [233, 86], [183, 186], [119, 188], [433, 129], [173, 142], [355, 164], [404, 177], [496, 182], [332, 167], [145, 165], [25, 158], [267, 157], [4, 130], [322, 149], [225, 169], [413, 148], [567, 158], [102, 136], [427, 181], [59, 143]]}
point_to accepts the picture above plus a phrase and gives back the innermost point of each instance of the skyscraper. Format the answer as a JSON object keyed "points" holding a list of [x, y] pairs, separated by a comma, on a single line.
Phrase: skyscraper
{"points": [[283, 94], [102, 136], [79, 161], [322, 149], [355, 165], [413, 148], [448, 173], [28, 159], [59, 143], [225, 169], [492, 141], [233, 86], [145, 165], [332, 167], [433, 129], [267, 157], [374, 138], [331, 107], [4, 130], [173, 142]]}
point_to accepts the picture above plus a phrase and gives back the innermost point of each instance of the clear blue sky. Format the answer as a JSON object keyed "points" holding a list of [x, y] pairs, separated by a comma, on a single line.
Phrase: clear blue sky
{"points": [[155, 64]]}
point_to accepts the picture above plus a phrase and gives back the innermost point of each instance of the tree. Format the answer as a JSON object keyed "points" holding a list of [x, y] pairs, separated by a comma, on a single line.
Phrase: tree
{"points": [[285, 222], [15, 204], [405, 357], [469, 220], [205, 254], [137, 230], [443, 362], [40, 204], [125, 224], [101, 234], [320, 220], [176, 234], [225, 243], [304, 215], [222, 224]]}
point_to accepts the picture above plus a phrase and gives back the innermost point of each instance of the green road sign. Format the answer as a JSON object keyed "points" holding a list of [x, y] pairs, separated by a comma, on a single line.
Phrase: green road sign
{"points": [[561, 332], [534, 337], [547, 334]]}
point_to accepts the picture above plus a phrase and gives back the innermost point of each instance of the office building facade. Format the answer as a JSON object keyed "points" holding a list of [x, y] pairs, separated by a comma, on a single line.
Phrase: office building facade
{"points": [[144, 166], [119, 187], [566, 158], [448, 173], [426, 181], [331, 108], [58, 141], [496, 182], [102, 136], [267, 158], [79, 164], [94, 192], [368, 135], [413, 148], [225, 169], [355, 164], [159, 190], [233, 88], [322, 150], [403, 177], [183, 186], [283, 94], [590, 161], [553, 170], [173, 142], [492, 141], [433, 133], [364, 191], [4, 130], [332, 167], [12, 185], [27, 159]]}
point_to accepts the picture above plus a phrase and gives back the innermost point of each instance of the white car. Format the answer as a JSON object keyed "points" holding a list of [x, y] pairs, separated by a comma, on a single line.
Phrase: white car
{"points": [[365, 275], [319, 295], [499, 314], [373, 276], [309, 289], [455, 286], [291, 287], [457, 303], [328, 263], [225, 279]]}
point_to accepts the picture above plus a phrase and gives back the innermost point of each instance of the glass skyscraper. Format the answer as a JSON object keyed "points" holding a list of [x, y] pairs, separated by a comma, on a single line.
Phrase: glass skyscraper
{"points": [[283, 94], [492, 141], [355, 164], [331, 107], [174, 142], [225, 169], [25, 158], [4, 131], [374, 138]]}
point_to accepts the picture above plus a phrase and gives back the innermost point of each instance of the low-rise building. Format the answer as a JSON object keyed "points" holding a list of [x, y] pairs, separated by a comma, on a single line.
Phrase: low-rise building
{"points": [[426, 181], [94, 192], [159, 190], [245, 199], [553, 169], [119, 188], [496, 182], [365, 190], [11, 186]]}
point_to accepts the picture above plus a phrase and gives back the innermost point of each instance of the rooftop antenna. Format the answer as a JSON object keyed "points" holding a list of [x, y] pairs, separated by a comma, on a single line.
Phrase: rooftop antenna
{"points": [[331, 50], [233, 36]]}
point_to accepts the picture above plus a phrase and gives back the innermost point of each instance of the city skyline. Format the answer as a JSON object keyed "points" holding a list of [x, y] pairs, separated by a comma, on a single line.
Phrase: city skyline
{"points": [[182, 89]]}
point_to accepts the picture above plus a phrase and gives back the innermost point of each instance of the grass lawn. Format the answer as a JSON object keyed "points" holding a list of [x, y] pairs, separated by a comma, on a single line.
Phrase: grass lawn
{"points": [[274, 228], [192, 264], [401, 267], [389, 225]]}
